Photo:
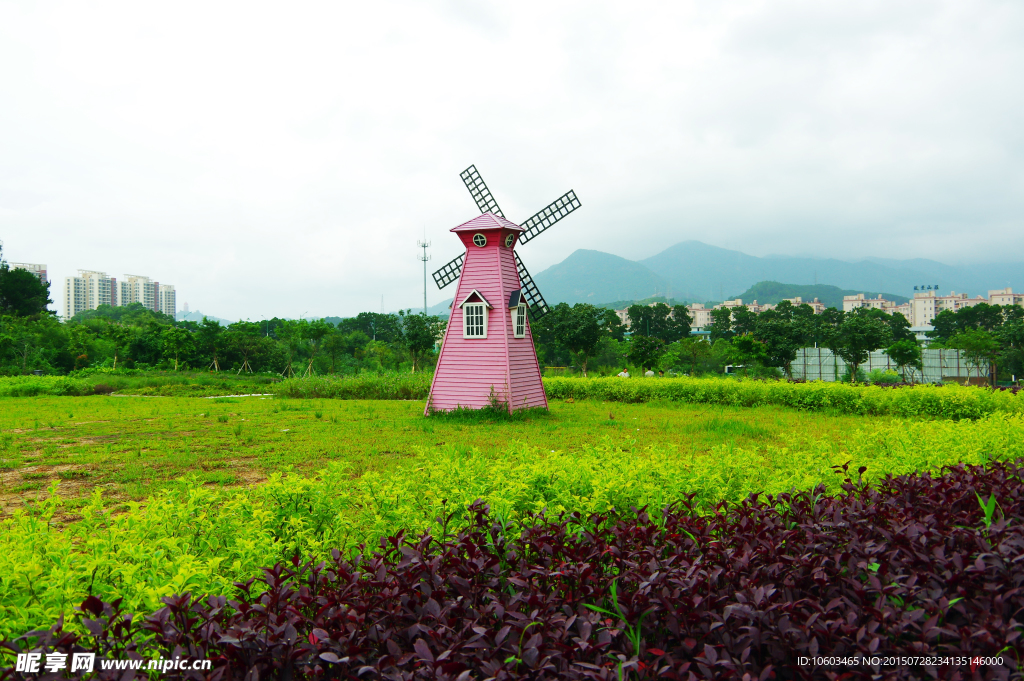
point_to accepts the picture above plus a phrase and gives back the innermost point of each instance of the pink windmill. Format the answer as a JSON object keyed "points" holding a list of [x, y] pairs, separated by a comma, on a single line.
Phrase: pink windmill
{"points": [[487, 354]]}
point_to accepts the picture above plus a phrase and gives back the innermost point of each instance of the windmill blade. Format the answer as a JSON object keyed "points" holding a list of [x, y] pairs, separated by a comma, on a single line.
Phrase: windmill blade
{"points": [[558, 209], [481, 194], [533, 297], [448, 273]]}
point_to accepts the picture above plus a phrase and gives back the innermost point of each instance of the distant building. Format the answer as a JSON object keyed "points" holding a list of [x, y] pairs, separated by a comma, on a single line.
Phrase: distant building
{"points": [[700, 316], [859, 300], [815, 304], [88, 291], [135, 288], [166, 300], [927, 304], [38, 270], [1005, 296]]}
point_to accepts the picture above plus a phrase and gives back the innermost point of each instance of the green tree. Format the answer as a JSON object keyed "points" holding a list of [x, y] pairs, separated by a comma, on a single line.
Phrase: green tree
{"points": [[658, 321], [290, 335], [644, 351], [580, 331], [907, 355], [979, 347], [612, 325], [682, 322], [422, 332], [314, 332], [695, 350], [340, 344], [721, 324], [550, 351], [176, 342], [121, 337], [857, 336], [899, 327], [22, 294], [379, 327], [1011, 340], [78, 344], [743, 320], [775, 329], [210, 341], [746, 351], [248, 347]]}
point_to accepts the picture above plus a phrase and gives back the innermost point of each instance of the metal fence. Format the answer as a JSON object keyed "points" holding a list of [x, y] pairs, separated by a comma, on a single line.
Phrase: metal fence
{"points": [[819, 364]]}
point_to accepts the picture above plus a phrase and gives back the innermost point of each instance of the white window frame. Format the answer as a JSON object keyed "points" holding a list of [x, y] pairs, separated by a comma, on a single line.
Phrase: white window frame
{"points": [[474, 309], [519, 312]]}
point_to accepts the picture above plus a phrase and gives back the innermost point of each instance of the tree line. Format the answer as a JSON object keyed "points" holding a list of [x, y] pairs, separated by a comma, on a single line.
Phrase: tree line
{"points": [[659, 338], [581, 337]]}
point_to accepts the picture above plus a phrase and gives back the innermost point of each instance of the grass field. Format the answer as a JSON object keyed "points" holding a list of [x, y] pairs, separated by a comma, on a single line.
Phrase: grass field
{"points": [[142, 497], [131, 447]]}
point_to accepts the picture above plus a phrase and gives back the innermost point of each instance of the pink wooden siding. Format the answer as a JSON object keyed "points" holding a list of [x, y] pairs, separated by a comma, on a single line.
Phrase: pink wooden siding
{"points": [[468, 368]]}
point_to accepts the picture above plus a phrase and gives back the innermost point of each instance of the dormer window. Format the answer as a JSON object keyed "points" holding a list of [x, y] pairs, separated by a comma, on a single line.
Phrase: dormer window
{"points": [[476, 320], [517, 306], [519, 321], [474, 316]]}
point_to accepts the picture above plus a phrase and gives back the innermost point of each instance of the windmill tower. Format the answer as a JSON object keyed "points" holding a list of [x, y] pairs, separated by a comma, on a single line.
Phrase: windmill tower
{"points": [[487, 352]]}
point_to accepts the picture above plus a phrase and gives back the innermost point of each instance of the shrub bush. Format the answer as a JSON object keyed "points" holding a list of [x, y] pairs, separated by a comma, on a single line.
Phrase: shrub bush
{"points": [[32, 386], [388, 386], [948, 402], [911, 569]]}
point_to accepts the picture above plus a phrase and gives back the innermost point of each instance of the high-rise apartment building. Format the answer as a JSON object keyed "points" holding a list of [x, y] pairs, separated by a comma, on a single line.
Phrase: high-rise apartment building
{"points": [[166, 299], [38, 270], [135, 288], [88, 291]]}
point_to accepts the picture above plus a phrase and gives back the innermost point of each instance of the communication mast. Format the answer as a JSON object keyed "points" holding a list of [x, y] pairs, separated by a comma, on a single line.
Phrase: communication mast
{"points": [[424, 245]]}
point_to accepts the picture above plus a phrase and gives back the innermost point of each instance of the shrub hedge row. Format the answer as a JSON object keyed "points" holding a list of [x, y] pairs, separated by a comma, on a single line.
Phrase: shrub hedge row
{"points": [[946, 402], [898, 575], [949, 401], [389, 386]]}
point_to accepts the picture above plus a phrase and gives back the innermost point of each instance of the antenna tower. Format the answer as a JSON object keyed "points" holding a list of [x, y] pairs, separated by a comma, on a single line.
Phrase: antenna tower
{"points": [[424, 245]]}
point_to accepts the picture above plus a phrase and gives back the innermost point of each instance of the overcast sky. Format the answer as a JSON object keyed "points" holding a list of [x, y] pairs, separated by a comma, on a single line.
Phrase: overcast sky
{"points": [[284, 159]]}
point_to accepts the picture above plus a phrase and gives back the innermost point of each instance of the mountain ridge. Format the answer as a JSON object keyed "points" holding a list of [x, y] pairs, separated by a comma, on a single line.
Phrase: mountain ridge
{"points": [[695, 271]]}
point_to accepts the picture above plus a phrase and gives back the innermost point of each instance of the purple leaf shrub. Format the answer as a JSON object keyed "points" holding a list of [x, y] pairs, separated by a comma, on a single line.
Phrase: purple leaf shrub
{"points": [[909, 567]]}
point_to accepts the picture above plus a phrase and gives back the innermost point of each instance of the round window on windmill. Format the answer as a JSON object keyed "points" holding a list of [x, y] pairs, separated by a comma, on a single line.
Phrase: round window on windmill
{"points": [[480, 240]]}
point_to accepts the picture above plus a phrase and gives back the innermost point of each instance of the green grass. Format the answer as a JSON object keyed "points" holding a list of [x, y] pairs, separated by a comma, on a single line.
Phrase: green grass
{"points": [[133, 447]]}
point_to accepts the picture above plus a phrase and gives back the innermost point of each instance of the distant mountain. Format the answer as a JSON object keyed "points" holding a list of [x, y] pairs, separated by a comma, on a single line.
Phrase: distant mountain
{"points": [[197, 316], [692, 270], [772, 292], [442, 309], [596, 277]]}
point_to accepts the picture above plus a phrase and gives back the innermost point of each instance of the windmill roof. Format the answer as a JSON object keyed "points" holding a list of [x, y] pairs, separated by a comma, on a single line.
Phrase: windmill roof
{"points": [[487, 221]]}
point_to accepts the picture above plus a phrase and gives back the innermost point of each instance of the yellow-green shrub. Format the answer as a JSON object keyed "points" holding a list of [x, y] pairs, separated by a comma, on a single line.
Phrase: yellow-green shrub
{"points": [[949, 402], [202, 539], [389, 386]]}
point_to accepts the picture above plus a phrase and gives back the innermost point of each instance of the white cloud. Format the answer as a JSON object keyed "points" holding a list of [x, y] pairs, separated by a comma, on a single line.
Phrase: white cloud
{"points": [[273, 160]]}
